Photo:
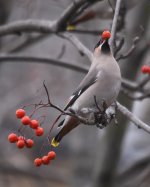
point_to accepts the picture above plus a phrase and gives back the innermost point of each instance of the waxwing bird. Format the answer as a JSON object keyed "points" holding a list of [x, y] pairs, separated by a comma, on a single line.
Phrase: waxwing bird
{"points": [[102, 81]]}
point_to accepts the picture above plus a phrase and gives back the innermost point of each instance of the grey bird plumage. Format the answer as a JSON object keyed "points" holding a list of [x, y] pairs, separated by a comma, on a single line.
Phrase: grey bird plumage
{"points": [[103, 82]]}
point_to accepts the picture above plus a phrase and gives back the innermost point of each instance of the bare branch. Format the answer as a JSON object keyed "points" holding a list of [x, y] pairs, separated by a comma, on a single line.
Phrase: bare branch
{"points": [[110, 4], [133, 118], [12, 58], [40, 26], [144, 82], [114, 25], [15, 171], [120, 45], [135, 86], [81, 48], [62, 52], [135, 97], [34, 59], [66, 15], [136, 40]]}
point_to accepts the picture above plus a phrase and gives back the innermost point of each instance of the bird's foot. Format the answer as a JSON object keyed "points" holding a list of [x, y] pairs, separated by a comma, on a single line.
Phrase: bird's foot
{"points": [[102, 119]]}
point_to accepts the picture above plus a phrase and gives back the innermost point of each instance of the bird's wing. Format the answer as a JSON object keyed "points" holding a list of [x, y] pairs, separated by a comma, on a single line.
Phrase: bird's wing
{"points": [[89, 80]]}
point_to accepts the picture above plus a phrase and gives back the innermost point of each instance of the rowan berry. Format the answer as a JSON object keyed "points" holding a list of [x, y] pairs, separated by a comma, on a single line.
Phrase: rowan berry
{"points": [[37, 162], [20, 113], [34, 124], [45, 160], [106, 35], [145, 69], [26, 120], [12, 138], [21, 138], [29, 143], [20, 144], [51, 155], [39, 131]]}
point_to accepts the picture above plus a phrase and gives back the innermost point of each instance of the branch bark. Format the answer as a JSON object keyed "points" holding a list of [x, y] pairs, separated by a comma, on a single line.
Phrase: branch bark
{"points": [[133, 118], [17, 58], [12, 58], [79, 45], [114, 25]]}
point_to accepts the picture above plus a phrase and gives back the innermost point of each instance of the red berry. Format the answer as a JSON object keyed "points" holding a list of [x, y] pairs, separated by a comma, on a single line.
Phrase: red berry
{"points": [[45, 160], [20, 113], [106, 35], [34, 124], [37, 162], [21, 138], [29, 143], [12, 138], [39, 131], [51, 155], [26, 120], [145, 69], [20, 144]]}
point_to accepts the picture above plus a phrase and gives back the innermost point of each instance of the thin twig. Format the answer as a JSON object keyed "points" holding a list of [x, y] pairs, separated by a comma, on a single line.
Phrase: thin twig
{"points": [[110, 4], [119, 47], [130, 51], [136, 40], [47, 93]]}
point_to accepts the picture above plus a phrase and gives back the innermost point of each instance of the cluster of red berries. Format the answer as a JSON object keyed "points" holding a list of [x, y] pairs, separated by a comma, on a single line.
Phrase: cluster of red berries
{"points": [[20, 141], [145, 69], [25, 120], [45, 159], [33, 124]]}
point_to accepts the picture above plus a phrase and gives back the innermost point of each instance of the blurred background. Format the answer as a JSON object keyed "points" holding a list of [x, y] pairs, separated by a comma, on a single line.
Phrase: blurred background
{"points": [[118, 155]]}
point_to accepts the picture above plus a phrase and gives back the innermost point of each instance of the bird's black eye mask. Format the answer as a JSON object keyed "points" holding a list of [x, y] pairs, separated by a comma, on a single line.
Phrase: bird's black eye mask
{"points": [[105, 48], [98, 44]]}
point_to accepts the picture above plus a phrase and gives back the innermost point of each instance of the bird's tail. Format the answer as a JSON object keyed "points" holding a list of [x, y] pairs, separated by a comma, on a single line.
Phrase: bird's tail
{"points": [[69, 124]]}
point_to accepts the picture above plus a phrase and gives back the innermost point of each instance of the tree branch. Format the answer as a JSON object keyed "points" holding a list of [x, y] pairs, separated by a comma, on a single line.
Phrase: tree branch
{"points": [[135, 86], [114, 25], [40, 26], [133, 118], [14, 58], [66, 15], [136, 40], [83, 50]]}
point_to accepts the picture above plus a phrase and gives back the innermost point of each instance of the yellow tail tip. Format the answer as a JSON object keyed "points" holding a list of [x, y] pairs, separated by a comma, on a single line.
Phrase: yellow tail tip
{"points": [[70, 27], [54, 143]]}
